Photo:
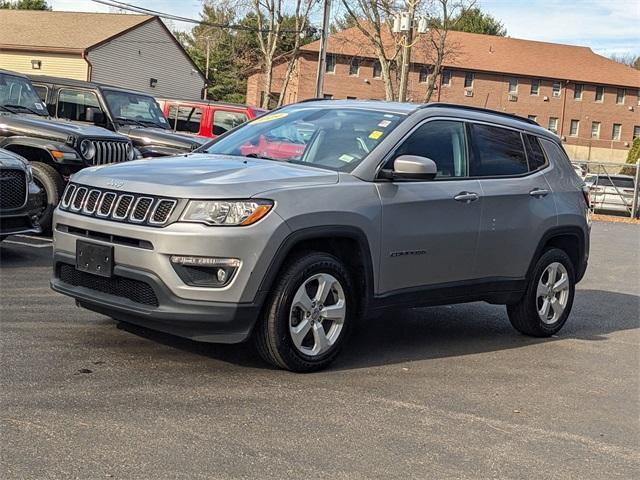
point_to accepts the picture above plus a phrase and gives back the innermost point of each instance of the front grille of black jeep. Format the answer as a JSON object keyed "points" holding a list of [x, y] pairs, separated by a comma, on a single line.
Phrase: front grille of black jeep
{"points": [[13, 188], [134, 290], [118, 206], [109, 152]]}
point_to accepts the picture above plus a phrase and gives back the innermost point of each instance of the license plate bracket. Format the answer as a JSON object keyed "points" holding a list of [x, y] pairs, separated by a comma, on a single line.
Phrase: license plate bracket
{"points": [[94, 258]]}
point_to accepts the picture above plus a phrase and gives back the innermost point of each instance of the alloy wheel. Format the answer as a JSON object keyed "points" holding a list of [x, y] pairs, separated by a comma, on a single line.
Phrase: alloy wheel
{"points": [[552, 293]]}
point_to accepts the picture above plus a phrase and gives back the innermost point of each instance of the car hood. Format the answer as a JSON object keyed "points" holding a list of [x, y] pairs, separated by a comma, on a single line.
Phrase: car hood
{"points": [[142, 136], [33, 125], [203, 176]]}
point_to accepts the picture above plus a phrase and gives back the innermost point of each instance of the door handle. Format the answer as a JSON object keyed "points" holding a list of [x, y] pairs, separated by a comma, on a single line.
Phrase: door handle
{"points": [[466, 197], [539, 192]]}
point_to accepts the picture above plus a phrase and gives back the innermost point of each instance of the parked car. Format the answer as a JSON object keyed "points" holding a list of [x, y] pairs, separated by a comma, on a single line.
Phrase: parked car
{"points": [[388, 205], [55, 148], [611, 192], [20, 198], [206, 118], [134, 114]]}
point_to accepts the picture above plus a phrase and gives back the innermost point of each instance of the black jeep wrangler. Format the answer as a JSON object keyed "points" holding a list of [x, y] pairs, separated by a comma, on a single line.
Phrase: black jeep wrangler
{"points": [[134, 114], [55, 148]]}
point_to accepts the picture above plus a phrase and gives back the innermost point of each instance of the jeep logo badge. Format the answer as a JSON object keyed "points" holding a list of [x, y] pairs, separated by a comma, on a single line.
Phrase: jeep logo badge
{"points": [[115, 183]]}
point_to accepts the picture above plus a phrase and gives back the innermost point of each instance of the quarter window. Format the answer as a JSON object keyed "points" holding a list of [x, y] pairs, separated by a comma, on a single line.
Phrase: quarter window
{"points": [[442, 141], [577, 91], [535, 87], [496, 152], [599, 93], [224, 121], [617, 131], [73, 104], [185, 119], [468, 80], [573, 130], [534, 153], [556, 88]]}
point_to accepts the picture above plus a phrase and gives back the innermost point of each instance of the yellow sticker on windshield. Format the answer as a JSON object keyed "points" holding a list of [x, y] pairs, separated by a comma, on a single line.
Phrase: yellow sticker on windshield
{"points": [[270, 118], [376, 134]]}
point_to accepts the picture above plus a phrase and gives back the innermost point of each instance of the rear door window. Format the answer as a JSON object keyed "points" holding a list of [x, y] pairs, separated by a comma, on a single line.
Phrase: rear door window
{"points": [[185, 119], [496, 152], [224, 120]]}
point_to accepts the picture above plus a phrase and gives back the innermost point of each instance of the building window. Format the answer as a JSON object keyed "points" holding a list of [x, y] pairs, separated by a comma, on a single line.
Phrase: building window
{"points": [[513, 85], [573, 130], [331, 64], [533, 117], [577, 91], [351, 98], [556, 88], [327, 96], [636, 131], [553, 124], [377, 70], [354, 67], [535, 87], [468, 80], [423, 76], [616, 132], [620, 96], [595, 129], [599, 93], [446, 78]]}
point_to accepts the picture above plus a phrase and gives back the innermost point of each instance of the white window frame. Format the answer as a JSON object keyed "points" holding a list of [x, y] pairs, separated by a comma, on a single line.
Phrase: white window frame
{"points": [[613, 132], [597, 132], [575, 90], [577, 123], [624, 95], [553, 89], [555, 122], [538, 83], [515, 91], [601, 100]]}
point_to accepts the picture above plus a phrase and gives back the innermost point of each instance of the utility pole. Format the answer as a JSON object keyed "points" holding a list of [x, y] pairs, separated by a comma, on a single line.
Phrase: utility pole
{"points": [[322, 55], [206, 73], [406, 50]]}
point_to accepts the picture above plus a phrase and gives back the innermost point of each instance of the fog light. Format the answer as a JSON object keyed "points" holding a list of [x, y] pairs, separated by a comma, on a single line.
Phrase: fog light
{"points": [[205, 271]]}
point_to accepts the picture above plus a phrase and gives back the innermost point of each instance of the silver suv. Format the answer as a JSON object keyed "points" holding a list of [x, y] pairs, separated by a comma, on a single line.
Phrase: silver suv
{"points": [[292, 227]]}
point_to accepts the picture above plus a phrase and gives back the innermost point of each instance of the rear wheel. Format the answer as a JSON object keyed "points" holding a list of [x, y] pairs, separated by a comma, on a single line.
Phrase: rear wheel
{"points": [[308, 316], [547, 302], [52, 185]]}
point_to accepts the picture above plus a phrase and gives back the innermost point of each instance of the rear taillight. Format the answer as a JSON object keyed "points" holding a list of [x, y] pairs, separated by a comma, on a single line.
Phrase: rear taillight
{"points": [[585, 195]]}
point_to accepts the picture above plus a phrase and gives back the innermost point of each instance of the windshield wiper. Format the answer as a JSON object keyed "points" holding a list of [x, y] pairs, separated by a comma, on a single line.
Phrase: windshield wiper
{"points": [[130, 120], [8, 106], [150, 122], [258, 155]]}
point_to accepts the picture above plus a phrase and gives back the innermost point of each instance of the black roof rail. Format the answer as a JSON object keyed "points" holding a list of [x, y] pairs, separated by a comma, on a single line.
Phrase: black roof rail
{"points": [[313, 99], [479, 109]]}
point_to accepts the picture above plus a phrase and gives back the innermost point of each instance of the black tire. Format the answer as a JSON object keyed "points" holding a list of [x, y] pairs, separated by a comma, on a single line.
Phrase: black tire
{"points": [[524, 314], [52, 184], [272, 337]]}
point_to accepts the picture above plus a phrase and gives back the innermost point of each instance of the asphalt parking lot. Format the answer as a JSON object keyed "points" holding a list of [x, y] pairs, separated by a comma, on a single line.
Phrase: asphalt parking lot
{"points": [[442, 392]]}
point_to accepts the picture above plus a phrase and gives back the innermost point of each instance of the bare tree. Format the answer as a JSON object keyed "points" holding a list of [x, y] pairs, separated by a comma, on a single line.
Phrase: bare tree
{"points": [[269, 17], [629, 59]]}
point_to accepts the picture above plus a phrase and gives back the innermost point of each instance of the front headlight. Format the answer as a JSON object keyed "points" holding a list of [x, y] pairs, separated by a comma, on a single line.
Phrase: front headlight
{"points": [[226, 212], [87, 149]]}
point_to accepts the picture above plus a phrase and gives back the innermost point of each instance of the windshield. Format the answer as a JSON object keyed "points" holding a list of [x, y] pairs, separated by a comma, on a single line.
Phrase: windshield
{"points": [[17, 94], [131, 108], [332, 138]]}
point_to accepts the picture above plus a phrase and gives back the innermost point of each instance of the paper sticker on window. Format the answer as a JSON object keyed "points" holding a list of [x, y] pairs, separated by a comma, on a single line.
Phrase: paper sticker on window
{"points": [[39, 106], [346, 158], [375, 135], [384, 123], [270, 118]]}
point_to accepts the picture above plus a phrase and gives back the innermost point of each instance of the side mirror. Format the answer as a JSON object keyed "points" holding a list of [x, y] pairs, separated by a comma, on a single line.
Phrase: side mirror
{"points": [[94, 115], [411, 167]]}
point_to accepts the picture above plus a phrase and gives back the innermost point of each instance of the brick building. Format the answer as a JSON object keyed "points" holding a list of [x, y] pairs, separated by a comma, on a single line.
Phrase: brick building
{"points": [[591, 102]]}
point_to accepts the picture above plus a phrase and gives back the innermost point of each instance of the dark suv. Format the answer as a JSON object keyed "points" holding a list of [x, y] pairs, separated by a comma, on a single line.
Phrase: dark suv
{"points": [[56, 149], [134, 114]]}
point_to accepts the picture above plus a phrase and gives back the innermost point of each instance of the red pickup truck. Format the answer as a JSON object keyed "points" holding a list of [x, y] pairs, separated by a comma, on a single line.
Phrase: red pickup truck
{"points": [[206, 118]]}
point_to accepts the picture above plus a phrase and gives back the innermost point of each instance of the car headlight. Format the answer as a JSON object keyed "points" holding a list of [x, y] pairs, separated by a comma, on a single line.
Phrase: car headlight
{"points": [[130, 152], [87, 149], [226, 212]]}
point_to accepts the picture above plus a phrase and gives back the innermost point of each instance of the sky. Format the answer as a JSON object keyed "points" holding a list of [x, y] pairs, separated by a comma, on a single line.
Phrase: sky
{"points": [[607, 26]]}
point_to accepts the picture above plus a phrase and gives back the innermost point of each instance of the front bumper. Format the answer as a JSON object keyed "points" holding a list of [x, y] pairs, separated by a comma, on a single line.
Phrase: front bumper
{"points": [[23, 220], [142, 254]]}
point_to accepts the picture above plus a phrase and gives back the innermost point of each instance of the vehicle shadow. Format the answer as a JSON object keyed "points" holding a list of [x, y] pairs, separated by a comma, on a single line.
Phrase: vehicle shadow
{"points": [[427, 333], [17, 256]]}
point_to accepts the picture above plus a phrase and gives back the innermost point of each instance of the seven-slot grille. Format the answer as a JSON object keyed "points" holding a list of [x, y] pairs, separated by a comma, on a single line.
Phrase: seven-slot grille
{"points": [[109, 152], [13, 188], [118, 206]]}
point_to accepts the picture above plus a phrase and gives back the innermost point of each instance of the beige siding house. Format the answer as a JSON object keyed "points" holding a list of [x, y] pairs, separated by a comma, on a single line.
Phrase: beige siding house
{"points": [[128, 51]]}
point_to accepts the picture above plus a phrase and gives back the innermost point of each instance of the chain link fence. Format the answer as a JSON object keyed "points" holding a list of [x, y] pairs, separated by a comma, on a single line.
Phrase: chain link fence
{"points": [[613, 187]]}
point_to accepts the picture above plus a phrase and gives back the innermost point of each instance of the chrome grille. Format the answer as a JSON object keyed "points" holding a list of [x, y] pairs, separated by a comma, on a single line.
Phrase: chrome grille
{"points": [[109, 152], [118, 206]]}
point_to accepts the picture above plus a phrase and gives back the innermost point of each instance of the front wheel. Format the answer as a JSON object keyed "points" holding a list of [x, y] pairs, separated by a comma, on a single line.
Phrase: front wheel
{"points": [[308, 316], [52, 185], [547, 302]]}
